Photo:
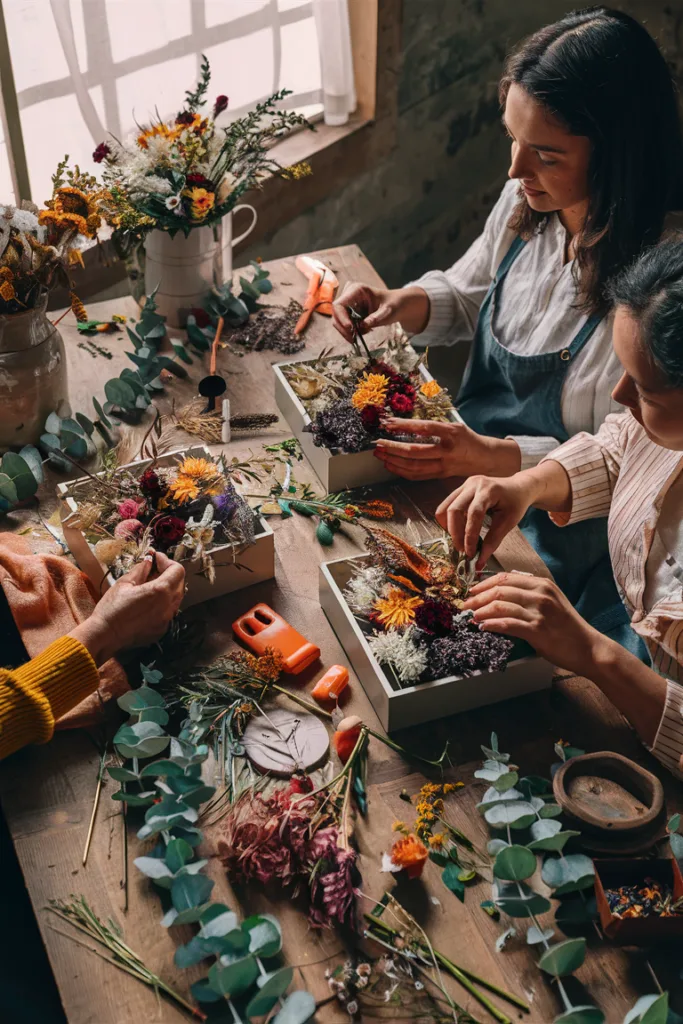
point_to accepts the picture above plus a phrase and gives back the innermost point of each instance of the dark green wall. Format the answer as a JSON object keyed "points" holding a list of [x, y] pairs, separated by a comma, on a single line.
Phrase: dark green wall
{"points": [[424, 203]]}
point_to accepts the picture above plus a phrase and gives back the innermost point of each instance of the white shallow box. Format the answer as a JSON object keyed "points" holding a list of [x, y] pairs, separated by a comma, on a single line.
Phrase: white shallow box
{"points": [[424, 702], [336, 471], [254, 564]]}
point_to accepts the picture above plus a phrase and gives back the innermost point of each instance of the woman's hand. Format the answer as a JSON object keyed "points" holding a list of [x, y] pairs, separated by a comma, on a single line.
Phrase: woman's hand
{"points": [[462, 513], [380, 306], [536, 610], [135, 611], [459, 451]]}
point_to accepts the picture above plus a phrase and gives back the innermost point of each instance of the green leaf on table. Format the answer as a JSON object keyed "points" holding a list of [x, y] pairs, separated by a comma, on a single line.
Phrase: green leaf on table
{"points": [[189, 916], [674, 823], [514, 864], [87, 424], [135, 799], [189, 891], [21, 475], [217, 921], [438, 858], [234, 979], [494, 846], [575, 913], [119, 393], [181, 351], [143, 739], [555, 842], [652, 1009], [271, 986], [535, 935], [101, 414], [535, 785], [74, 445], [163, 767], [196, 950], [581, 1015], [7, 489], [517, 899], [31, 457], [563, 958], [545, 828], [492, 796], [265, 934], [178, 853], [450, 876], [516, 814], [506, 782], [122, 774], [676, 842], [53, 424], [204, 993], [158, 715], [298, 1008], [550, 811], [568, 874], [134, 701], [153, 867]]}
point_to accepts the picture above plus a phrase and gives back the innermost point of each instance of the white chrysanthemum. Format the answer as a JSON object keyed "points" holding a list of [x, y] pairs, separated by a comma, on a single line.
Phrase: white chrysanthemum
{"points": [[398, 649], [363, 589], [153, 185]]}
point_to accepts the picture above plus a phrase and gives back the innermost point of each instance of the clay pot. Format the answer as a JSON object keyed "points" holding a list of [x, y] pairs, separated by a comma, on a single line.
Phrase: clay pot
{"points": [[33, 375]]}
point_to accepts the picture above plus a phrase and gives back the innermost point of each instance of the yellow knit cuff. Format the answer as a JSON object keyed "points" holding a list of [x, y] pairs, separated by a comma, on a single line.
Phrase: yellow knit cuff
{"points": [[38, 693]]}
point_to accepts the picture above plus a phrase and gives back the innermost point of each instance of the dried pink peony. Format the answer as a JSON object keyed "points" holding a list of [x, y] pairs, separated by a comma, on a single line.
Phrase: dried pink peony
{"points": [[128, 529], [129, 508]]}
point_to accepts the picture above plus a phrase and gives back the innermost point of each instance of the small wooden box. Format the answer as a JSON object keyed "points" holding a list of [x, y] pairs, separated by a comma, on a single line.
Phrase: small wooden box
{"points": [[337, 471], [234, 570], [637, 931], [422, 702]]}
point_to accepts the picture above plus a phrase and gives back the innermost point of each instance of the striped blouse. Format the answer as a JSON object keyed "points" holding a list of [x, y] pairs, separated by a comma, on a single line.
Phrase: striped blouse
{"points": [[536, 314], [621, 473]]}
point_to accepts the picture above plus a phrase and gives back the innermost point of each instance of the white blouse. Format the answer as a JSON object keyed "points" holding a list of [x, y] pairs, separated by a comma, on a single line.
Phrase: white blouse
{"points": [[536, 313]]}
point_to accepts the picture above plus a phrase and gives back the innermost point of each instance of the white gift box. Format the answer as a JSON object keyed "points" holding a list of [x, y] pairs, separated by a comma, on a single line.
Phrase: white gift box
{"points": [[337, 471], [237, 566], [400, 706]]}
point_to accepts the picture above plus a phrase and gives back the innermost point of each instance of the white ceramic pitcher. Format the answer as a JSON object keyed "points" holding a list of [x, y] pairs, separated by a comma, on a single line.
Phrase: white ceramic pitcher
{"points": [[186, 268]]}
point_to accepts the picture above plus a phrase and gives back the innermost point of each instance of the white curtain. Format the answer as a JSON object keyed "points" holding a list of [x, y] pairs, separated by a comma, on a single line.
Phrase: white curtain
{"points": [[84, 68], [336, 61]]}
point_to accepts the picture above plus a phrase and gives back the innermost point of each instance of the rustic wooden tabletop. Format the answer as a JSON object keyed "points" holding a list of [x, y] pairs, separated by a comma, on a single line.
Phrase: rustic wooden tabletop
{"points": [[47, 792]]}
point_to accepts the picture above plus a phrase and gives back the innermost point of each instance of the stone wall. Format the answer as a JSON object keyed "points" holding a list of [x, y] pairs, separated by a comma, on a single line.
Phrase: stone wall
{"points": [[422, 206]]}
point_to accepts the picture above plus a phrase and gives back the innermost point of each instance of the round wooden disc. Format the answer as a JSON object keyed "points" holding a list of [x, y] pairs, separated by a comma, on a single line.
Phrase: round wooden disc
{"points": [[285, 741]]}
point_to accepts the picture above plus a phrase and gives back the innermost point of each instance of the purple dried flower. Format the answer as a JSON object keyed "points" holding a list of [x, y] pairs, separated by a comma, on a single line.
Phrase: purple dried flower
{"points": [[340, 426], [434, 616], [225, 505], [467, 649], [332, 891]]}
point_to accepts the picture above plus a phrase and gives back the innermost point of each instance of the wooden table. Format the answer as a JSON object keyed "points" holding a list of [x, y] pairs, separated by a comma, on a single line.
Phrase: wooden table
{"points": [[47, 792]]}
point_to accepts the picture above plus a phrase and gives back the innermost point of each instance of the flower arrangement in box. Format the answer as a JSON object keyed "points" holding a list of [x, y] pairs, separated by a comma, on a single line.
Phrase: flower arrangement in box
{"points": [[185, 509], [349, 397], [409, 602], [184, 171]]}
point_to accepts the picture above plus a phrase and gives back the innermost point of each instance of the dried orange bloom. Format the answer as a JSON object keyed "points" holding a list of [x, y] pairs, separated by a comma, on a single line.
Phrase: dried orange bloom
{"points": [[437, 840], [451, 787], [377, 509], [430, 389], [183, 489], [405, 582], [410, 854], [370, 390], [396, 609]]}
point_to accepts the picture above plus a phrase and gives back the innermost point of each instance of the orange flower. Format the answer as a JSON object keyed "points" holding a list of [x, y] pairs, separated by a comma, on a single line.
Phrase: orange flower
{"points": [[370, 390], [396, 609], [183, 489], [201, 202], [377, 509], [410, 854], [346, 737], [430, 389]]}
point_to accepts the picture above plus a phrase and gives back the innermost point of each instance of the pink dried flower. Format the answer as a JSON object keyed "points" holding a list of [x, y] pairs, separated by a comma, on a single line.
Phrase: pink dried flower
{"points": [[128, 529], [129, 508]]}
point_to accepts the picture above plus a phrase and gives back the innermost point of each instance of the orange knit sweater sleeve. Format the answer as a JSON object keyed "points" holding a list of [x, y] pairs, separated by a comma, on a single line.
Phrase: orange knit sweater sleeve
{"points": [[34, 696]]}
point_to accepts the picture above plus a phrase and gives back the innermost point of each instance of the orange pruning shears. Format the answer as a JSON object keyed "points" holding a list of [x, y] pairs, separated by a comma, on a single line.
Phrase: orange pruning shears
{"points": [[322, 285]]}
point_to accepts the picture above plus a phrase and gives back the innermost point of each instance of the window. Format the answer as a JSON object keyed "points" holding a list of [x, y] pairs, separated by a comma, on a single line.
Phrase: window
{"points": [[83, 68]]}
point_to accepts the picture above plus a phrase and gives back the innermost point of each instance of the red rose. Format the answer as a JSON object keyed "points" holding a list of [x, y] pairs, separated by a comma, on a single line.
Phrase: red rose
{"points": [[202, 318], [220, 105], [200, 181], [101, 152], [401, 404], [184, 117], [168, 530], [370, 416]]}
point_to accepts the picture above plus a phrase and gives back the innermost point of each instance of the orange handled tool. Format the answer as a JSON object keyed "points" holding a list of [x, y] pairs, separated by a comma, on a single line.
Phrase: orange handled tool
{"points": [[332, 684], [322, 284], [261, 627]]}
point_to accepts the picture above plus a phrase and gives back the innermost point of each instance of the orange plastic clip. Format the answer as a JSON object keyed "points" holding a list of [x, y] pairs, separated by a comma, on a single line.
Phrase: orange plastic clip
{"points": [[332, 684], [261, 627]]}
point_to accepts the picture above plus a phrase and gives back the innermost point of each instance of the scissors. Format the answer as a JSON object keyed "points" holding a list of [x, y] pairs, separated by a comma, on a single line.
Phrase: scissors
{"points": [[322, 284]]}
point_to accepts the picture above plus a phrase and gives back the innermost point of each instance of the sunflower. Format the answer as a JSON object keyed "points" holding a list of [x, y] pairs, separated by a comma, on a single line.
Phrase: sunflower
{"points": [[396, 609], [201, 470], [370, 390], [160, 129], [430, 389]]}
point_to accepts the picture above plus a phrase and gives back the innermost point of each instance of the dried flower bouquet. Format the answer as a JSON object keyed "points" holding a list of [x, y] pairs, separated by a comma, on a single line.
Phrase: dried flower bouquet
{"points": [[349, 397], [409, 601], [185, 509]]}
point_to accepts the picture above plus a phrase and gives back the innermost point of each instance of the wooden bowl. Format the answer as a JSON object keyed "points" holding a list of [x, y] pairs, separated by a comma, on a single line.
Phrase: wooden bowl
{"points": [[616, 805]]}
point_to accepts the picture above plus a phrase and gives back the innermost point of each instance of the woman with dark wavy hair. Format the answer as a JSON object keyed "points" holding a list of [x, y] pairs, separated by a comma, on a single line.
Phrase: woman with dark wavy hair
{"points": [[596, 165]]}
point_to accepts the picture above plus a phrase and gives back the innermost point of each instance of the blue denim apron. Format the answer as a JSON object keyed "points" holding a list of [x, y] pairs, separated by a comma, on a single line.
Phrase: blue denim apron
{"points": [[502, 394]]}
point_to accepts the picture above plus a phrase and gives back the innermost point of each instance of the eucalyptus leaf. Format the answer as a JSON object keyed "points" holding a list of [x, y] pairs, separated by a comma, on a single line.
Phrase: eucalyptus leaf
{"points": [[535, 935], [545, 828], [298, 1008], [517, 899], [581, 1015], [137, 700], [651, 1009], [271, 986], [53, 424], [190, 916], [178, 853], [265, 935], [135, 799], [217, 921], [21, 475], [163, 767], [190, 891], [518, 814], [196, 950], [554, 842], [674, 823], [568, 874], [73, 444], [7, 489], [153, 867], [550, 811], [492, 796], [450, 876], [514, 864], [31, 457], [158, 715], [494, 846], [119, 393], [563, 958], [506, 782], [101, 414], [676, 842], [234, 979], [122, 774], [204, 993]]}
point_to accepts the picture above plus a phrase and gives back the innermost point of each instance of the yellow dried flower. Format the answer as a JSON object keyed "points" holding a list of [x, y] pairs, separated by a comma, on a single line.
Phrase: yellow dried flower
{"points": [[370, 390], [398, 826], [450, 787], [7, 292], [437, 840], [201, 202], [396, 609], [430, 389], [183, 489], [77, 307]]}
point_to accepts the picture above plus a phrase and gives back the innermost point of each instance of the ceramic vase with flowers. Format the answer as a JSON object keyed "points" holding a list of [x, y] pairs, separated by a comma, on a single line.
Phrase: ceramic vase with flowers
{"points": [[37, 250], [176, 185]]}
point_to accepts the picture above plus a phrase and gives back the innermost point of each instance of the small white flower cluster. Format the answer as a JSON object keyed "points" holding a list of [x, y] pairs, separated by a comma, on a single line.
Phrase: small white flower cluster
{"points": [[346, 981], [364, 587], [398, 649]]}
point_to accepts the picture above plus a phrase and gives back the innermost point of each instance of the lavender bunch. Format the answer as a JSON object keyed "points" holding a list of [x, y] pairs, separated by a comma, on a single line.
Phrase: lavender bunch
{"points": [[339, 426]]}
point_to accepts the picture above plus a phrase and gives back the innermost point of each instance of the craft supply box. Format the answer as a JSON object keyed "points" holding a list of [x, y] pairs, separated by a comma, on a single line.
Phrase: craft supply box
{"points": [[422, 702], [647, 929], [338, 471], [235, 569]]}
